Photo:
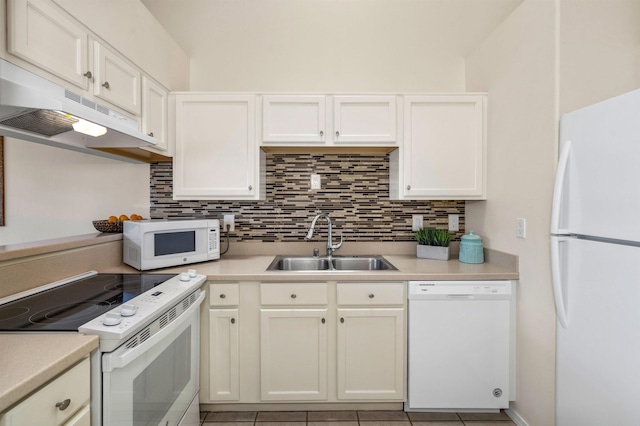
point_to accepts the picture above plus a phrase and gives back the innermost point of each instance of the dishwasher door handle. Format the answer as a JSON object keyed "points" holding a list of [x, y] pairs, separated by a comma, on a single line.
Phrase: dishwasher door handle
{"points": [[461, 296]]}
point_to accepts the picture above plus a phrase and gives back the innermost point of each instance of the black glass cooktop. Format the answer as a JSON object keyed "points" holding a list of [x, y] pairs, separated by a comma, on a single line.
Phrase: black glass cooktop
{"points": [[67, 307]]}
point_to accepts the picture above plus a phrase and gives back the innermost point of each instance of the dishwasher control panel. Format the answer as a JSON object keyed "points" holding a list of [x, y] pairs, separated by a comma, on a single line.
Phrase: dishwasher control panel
{"points": [[459, 289]]}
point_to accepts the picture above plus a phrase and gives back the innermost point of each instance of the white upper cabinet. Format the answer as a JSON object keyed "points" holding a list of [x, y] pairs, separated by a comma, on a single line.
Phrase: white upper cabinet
{"points": [[297, 119], [364, 120], [443, 150], [42, 34], [154, 113], [319, 120], [216, 156], [116, 80]]}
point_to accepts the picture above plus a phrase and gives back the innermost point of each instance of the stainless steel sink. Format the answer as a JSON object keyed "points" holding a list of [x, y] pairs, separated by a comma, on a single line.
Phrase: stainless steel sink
{"points": [[336, 263]]}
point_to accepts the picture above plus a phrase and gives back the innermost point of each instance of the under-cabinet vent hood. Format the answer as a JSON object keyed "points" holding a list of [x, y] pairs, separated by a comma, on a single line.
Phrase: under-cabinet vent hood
{"points": [[35, 109]]}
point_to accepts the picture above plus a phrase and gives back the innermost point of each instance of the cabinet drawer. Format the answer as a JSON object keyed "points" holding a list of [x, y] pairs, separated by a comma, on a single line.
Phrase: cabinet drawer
{"points": [[371, 293], [40, 407], [227, 294], [293, 293]]}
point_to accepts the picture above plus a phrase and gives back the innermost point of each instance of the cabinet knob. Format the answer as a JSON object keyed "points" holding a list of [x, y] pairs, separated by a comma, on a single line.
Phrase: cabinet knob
{"points": [[150, 134], [323, 320], [222, 296], [250, 187], [341, 320], [321, 133], [337, 134], [408, 187], [88, 74], [371, 296], [293, 296], [233, 320], [63, 405], [105, 85]]}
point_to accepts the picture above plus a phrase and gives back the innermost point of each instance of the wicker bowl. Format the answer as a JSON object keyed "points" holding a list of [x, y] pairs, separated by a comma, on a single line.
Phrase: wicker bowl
{"points": [[108, 227]]}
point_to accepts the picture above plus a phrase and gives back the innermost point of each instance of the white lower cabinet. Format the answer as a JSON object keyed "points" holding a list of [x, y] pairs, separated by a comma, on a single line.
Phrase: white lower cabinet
{"points": [[223, 342], [371, 341], [63, 401], [297, 342], [293, 354], [370, 353]]}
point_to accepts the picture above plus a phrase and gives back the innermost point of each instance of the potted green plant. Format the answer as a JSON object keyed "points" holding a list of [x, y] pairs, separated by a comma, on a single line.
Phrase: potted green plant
{"points": [[433, 243]]}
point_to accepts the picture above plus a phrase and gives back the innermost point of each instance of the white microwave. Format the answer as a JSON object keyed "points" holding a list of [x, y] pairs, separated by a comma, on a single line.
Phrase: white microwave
{"points": [[152, 244]]}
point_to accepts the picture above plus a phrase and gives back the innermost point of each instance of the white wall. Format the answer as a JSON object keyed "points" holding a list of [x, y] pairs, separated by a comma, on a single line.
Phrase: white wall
{"points": [[547, 58], [52, 192], [516, 65], [325, 46]]}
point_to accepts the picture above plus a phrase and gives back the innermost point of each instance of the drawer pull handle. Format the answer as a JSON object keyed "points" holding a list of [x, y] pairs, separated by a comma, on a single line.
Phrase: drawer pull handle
{"points": [[341, 320], [233, 320], [63, 405], [371, 296], [293, 296], [222, 296]]}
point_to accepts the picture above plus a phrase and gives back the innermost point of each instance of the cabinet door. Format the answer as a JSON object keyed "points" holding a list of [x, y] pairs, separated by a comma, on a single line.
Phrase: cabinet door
{"points": [[154, 112], [116, 81], [40, 408], [443, 147], [224, 374], [216, 156], [42, 34], [364, 120], [370, 353], [293, 351], [293, 119]]}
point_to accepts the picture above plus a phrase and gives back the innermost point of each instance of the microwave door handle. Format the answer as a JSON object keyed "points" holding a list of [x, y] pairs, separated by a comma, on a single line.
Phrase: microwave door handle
{"points": [[120, 359]]}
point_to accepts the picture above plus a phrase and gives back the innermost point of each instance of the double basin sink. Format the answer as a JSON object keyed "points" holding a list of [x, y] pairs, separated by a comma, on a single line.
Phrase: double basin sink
{"points": [[334, 263]]}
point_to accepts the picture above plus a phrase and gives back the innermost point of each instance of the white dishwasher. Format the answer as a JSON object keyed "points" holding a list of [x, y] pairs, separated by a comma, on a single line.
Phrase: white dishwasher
{"points": [[460, 345]]}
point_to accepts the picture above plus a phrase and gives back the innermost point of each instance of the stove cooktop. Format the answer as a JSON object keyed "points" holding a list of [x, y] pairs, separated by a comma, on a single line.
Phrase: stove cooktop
{"points": [[67, 307]]}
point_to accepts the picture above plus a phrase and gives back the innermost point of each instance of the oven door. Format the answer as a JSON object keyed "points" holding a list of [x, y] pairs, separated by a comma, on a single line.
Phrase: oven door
{"points": [[155, 382]]}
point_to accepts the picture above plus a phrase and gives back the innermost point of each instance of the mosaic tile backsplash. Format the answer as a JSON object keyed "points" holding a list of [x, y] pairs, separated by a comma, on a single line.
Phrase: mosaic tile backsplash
{"points": [[355, 193]]}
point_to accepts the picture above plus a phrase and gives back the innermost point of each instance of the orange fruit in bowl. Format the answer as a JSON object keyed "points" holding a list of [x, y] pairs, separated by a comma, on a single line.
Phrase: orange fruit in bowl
{"points": [[135, 217], [112, 219], [123, 217]]}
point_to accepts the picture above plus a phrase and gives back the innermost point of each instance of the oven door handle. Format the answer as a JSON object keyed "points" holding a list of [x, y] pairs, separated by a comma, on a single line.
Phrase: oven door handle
{"points": [[123, 356]]}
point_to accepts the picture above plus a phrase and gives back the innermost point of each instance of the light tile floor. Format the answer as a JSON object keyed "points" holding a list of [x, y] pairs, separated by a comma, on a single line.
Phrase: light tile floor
{"points": [[351, 418]]}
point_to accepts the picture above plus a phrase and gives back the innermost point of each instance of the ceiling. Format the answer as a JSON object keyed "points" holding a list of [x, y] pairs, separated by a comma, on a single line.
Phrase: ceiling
{"points": [[452, 26]]}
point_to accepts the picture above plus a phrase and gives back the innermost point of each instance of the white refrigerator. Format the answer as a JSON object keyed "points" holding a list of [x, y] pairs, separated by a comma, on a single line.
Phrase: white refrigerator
{"points": [[595, 249]]}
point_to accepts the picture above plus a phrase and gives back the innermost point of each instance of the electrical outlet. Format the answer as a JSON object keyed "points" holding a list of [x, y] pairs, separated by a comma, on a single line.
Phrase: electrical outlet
{"points": [[416, 222], [229, 219], [454, 222], [316, 181], [521, 227]]}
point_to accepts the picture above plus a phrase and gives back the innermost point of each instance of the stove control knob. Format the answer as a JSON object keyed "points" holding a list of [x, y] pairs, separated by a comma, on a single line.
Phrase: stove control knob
{"points": [[127, 310], [192, 273], [185, 276], [112, 318]]}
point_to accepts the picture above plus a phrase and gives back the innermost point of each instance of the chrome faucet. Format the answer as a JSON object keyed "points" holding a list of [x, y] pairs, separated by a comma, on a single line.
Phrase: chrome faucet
{"points": [[330, 247]]}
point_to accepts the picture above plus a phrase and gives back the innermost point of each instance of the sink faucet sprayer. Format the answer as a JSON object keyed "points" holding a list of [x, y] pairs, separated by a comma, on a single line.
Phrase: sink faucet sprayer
{"points": [[330, 247]]}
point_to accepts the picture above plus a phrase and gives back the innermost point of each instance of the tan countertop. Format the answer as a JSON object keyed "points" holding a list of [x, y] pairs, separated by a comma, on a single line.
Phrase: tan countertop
{"points": [[253, 268], [28, 361]]}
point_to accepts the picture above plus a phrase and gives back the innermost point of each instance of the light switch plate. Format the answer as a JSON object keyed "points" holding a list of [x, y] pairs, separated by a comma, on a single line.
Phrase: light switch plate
{"points": [[521, 227]]}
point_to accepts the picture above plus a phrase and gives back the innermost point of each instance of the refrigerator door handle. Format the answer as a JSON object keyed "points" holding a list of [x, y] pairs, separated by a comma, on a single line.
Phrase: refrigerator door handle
{"points": [[561, 173], [556, 279]]}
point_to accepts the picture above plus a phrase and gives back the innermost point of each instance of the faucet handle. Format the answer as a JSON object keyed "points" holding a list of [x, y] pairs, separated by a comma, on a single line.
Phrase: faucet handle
{"points": [[316, 252], [337, 246]]}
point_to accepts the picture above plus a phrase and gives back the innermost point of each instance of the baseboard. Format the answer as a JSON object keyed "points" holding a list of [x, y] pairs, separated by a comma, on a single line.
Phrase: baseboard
{"points": [[516, 417]]}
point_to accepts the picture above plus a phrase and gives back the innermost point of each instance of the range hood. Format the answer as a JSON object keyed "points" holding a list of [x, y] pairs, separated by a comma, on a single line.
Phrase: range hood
{"points": [[35, 109]]}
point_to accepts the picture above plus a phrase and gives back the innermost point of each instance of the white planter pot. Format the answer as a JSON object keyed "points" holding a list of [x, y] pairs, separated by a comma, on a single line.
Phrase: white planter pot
{"points": [[432, 252]]}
